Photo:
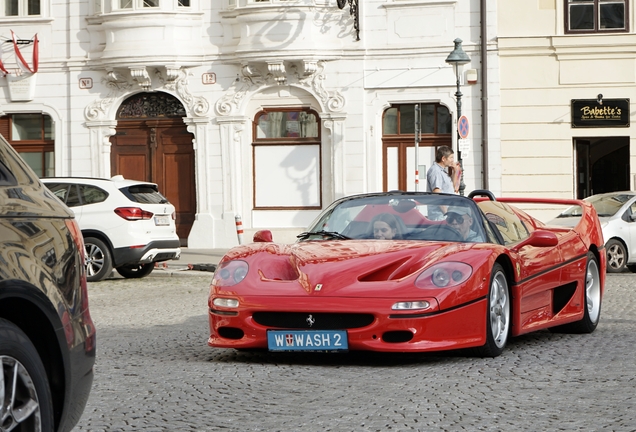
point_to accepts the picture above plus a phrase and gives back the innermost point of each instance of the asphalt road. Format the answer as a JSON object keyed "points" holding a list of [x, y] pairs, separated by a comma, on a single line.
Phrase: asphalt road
{"points": [[155, 372]]}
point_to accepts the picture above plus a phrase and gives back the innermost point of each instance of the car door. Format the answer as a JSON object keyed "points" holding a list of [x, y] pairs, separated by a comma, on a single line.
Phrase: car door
{"points": [[537, 269]]}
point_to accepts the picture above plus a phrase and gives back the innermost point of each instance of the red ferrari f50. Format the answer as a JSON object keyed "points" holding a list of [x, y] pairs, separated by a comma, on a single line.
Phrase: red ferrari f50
{"points": [[402, 271]]}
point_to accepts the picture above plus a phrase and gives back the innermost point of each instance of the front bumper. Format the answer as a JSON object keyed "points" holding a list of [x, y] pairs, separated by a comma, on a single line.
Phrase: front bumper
{"points": [[155, 251], [460, 327]]}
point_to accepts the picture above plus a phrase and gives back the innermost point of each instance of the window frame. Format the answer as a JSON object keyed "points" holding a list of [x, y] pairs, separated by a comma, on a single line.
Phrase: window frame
{"points": [[259, 143], [138, 5], [41, 146], [401, 135], [596, 8], [22, 16]]}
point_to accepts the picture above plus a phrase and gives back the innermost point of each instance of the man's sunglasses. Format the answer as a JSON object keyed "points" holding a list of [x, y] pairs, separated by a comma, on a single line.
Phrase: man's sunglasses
{"points": [[455, 218]]}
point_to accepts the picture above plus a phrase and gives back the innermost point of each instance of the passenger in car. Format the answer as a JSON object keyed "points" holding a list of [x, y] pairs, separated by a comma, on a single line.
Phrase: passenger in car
{"points": [[386, 226], [461, 219]]}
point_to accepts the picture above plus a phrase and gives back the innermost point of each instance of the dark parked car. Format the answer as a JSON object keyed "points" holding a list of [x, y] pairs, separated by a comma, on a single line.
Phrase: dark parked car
{"points": [[47, 337]]}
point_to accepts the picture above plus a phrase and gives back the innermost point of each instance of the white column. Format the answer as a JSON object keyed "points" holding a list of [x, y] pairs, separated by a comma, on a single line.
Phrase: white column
{"points": [[219, 168], [335, 143], [99, 142]]}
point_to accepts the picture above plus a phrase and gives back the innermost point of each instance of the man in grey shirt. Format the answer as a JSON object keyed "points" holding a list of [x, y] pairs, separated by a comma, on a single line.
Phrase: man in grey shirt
{"points": [[438, 179]]}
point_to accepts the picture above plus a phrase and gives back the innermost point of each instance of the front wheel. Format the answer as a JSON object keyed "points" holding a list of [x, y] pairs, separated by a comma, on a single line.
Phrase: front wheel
{"points": [[498, 314], [26, 397], [136, 271], [616, 256]]}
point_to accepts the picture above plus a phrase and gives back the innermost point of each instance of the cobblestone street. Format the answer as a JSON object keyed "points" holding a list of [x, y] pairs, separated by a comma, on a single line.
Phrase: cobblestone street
{"points": [[155, 372]]}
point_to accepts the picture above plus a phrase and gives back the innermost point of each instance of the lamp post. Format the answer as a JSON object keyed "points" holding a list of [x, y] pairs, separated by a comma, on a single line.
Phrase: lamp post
{"points": [[457, 58]]}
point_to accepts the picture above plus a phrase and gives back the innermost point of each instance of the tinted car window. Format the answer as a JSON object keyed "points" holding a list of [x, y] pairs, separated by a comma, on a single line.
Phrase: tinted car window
{"points": [[60, 190], [144, 194], [91, 194], [511, 228]]}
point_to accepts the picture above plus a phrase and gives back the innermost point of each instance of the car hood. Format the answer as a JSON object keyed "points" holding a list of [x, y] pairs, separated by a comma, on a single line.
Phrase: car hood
{"points": [[376, 267]]}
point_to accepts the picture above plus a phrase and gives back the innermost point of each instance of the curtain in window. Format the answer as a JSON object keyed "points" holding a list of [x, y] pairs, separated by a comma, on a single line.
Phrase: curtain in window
{"points": [[308, 125], [275, 124]]}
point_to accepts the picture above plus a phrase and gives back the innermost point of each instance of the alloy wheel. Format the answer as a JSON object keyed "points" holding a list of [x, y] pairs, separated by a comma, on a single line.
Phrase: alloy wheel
{"points": [[19, 407]]}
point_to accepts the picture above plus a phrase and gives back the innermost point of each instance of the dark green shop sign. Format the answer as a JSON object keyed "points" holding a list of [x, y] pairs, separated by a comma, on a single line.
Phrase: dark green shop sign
{"points": [[589, 113]]}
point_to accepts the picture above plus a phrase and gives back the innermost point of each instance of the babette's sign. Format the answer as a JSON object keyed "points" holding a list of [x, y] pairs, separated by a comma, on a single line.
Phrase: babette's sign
{"points": [[590, 113]]}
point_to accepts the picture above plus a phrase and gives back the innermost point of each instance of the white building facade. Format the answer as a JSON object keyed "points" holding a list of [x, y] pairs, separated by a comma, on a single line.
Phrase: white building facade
{"points": [[267, 110]]}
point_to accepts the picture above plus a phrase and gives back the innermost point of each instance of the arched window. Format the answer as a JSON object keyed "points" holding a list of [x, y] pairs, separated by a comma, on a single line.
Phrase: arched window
{"points": [[287, 159], [32, 135]]}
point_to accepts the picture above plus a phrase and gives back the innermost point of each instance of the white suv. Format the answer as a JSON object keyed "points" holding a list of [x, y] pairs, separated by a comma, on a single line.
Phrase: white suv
{"points": [[127, 224]]}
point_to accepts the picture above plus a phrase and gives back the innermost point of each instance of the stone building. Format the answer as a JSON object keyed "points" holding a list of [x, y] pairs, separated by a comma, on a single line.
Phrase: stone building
{"points": [[265, 109]]}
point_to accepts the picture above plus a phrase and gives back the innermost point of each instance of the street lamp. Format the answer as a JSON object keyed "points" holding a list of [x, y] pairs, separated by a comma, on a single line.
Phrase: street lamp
{"points": [[457, 58]]}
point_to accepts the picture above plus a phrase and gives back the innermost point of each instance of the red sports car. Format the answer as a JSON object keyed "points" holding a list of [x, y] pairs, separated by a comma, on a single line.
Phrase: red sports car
{"points": [[401, 271]]}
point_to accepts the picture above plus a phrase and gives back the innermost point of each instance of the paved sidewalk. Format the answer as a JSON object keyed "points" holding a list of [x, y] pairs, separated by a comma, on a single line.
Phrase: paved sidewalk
{"points": [[192, 262]]}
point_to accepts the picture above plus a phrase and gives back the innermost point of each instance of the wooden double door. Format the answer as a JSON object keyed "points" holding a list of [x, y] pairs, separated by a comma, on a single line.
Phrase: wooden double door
{"points": [[159, 151]]}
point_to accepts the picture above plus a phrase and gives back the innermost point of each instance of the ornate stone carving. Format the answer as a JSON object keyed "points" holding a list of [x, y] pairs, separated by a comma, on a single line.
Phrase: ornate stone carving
{"points": [[334, 101], [151, 105], [116, 85], [176, 80], [251, 81], [98, 109], [308, 73], [277, 69], [140, 74]]}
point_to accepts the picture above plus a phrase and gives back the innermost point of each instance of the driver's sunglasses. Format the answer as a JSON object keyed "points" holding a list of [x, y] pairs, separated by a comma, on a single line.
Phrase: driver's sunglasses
{"points": [[455, 218]]}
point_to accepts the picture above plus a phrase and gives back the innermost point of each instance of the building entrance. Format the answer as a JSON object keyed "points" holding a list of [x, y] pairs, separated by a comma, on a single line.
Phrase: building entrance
{"points": [[152, 144], [398, 143], [602, 165]]}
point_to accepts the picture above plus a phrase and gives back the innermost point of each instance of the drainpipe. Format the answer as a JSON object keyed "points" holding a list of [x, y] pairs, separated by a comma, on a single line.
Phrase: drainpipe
{"points": [[484, 94]]}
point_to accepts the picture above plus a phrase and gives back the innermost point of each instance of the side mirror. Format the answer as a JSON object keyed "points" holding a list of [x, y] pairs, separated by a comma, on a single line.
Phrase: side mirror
{"points": [[263, 236], [538, 238]]}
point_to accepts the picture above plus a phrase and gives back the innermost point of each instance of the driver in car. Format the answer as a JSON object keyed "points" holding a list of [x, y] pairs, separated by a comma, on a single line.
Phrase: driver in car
{"points": [[461, 219]]}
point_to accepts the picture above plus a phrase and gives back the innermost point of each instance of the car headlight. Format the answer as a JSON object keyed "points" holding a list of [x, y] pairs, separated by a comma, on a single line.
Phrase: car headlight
{"points": [[411, 305], [230, 273], [225, 302], [444, 275]]}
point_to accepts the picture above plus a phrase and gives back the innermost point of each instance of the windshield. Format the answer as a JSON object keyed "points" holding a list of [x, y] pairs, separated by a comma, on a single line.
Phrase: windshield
{"points": [[407, 216], [609, 205], [605, 205]]}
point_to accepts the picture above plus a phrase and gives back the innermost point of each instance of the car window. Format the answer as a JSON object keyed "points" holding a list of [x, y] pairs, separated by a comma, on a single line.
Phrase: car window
{"points": [[509, 225], [90, 194], [144, 194], [60, 190], [609, 205], [629, 213], [72, 199], [401, 217]]}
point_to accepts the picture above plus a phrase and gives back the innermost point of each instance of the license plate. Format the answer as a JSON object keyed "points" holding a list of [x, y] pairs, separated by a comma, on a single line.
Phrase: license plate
{"points": [[307, 340], [162, 220]]}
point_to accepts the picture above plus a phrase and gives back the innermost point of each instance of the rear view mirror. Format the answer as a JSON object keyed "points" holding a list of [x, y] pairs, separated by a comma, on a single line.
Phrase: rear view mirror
{"points": [[538, 238], [263, 236]]}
